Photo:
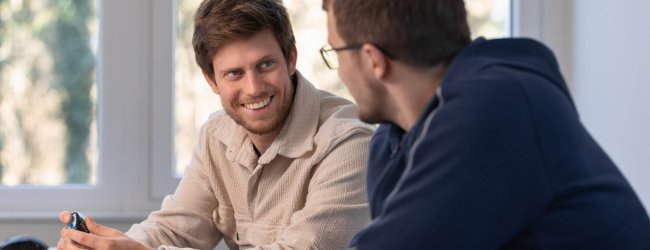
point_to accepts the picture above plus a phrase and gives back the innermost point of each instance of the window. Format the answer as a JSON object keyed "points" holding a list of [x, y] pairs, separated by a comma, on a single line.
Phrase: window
{"points": [[48, 92], [48, 103], [489, 18], [102, 50]]}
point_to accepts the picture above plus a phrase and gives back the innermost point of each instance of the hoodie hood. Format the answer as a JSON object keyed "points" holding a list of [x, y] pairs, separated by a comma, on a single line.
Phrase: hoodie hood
{"points": [[524, 54]]}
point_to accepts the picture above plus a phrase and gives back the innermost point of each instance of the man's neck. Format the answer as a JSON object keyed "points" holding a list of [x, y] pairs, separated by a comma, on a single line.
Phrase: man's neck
{"points": [[264, 141], [257, 151], [413, 92]]}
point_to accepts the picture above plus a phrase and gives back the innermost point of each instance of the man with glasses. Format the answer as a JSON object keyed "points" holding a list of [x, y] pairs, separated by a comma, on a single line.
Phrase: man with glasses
{"points": [[282, 167], [480, 145]]}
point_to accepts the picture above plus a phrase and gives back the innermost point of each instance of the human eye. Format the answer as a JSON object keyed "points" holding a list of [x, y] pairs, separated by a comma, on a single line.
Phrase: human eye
{"points": [[233, 74], [267, 64]]}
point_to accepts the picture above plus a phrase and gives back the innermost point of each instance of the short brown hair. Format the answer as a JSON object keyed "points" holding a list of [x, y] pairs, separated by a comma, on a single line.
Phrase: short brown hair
{"points": [[421, 33], [218, 22]]}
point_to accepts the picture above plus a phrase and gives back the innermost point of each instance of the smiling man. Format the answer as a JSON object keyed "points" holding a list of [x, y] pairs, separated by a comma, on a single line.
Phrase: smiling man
{"points": [[282, 168]]}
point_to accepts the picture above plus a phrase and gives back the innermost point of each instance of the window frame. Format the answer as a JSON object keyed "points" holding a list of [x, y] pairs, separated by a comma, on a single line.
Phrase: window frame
{"points": [[164, 34], [550, 22], [123, 127]]}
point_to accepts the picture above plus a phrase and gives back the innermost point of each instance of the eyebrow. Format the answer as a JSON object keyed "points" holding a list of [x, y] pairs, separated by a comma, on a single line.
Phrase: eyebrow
{"points": [[221, 72], [262, 59]]}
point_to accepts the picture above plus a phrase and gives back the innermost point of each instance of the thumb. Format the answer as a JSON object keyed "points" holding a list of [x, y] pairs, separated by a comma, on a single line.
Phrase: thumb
{"points": [[64, 217], [100, 230]]}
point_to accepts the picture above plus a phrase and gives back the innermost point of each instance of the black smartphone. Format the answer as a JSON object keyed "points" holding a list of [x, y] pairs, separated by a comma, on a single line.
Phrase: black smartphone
{"points": [[78, 222]]}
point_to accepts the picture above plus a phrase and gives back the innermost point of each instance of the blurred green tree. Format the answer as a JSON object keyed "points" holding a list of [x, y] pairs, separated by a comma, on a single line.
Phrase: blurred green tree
{"points": [[74, 64]]}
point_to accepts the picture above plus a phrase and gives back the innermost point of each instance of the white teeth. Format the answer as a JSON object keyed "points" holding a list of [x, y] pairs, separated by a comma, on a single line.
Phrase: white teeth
{"points": [[258, 105]]}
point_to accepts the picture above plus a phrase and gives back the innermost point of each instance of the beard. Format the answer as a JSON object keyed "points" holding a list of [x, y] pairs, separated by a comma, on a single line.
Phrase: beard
{"points": [[271, 126], [371, 105], [372, 116], [276, 122]]}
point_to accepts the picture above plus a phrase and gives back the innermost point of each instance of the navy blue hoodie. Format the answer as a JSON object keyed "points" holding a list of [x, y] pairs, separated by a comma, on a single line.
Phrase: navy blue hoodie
{"points": [[499, 160]]}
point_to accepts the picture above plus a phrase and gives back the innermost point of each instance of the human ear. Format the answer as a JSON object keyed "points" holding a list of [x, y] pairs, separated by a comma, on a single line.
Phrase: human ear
{"points": [[293, 55], [211, 82], [375, 60]]}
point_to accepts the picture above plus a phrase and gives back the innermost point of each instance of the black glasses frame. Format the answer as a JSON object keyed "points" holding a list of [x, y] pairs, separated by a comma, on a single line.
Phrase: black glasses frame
{"points": [[327, 57]]}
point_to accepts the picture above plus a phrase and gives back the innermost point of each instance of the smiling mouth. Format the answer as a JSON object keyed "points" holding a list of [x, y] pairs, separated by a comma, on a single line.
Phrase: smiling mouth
{"points": [[258, 105]]}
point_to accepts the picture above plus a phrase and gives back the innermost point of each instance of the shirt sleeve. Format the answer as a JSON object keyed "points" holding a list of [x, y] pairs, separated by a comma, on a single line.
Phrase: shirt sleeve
{"points": [[185, 218], [336, 205]]}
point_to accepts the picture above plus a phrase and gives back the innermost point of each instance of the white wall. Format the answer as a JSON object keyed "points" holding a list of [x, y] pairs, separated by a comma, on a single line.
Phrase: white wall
{"points": [[611, 87]]}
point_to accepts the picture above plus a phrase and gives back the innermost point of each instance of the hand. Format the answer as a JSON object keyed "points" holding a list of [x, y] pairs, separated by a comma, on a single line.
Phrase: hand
{"points": [[100, 237]]}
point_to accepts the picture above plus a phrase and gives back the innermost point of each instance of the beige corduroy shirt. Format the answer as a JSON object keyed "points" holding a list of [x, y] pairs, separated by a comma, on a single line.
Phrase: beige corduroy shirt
{"points": [[307, 191]]}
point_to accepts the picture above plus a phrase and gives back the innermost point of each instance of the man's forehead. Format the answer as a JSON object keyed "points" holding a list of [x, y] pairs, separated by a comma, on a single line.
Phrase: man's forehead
{"points": [[262, 43]]}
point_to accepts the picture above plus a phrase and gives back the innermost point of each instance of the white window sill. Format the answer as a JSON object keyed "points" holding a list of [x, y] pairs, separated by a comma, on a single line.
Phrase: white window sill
{"points": [[44, 217]]}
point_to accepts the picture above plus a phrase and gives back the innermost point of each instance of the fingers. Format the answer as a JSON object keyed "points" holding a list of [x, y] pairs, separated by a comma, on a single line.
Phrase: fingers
{"points": [[74, 239], [101, 230], [100, 237], [67, 245], [60, 245], [66, 242], [64, 217], [63, 245]]}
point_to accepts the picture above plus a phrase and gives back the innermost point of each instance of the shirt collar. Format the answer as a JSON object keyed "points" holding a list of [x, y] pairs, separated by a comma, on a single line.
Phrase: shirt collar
{"points": [[297, 135]]}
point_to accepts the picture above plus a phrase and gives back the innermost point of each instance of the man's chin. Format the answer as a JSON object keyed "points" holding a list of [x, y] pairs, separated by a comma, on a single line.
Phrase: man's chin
{"points": [[261, 129], [370, 118]]}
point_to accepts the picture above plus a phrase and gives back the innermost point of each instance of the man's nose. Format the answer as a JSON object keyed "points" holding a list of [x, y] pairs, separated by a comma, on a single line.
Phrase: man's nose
{"points": [[255, 85]]}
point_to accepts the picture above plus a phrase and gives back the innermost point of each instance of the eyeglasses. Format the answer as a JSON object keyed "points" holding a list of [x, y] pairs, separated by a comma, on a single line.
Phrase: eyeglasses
{"points": [[329, 54]]}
